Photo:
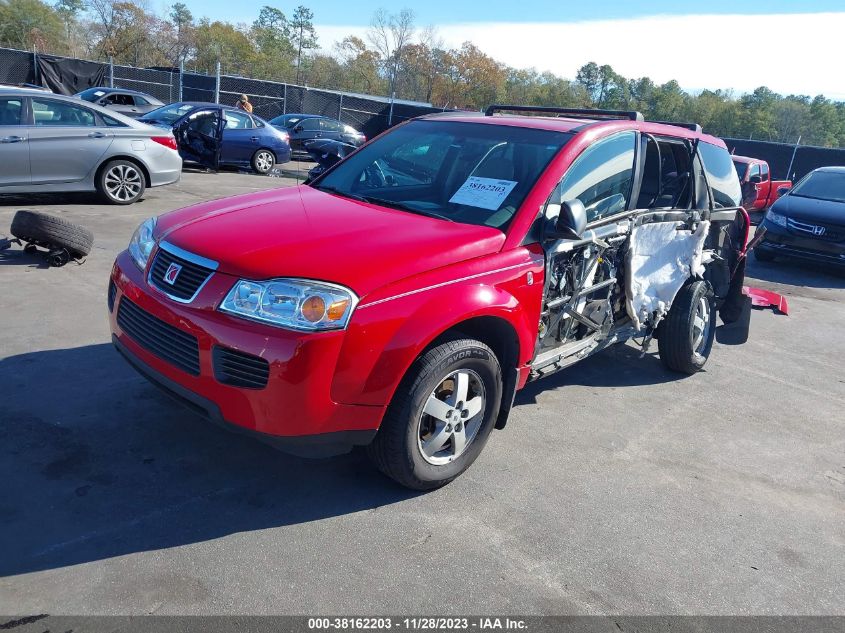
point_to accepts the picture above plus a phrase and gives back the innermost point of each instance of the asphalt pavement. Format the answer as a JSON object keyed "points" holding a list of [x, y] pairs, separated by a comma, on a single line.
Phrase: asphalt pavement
{"points": [[617, 487]]}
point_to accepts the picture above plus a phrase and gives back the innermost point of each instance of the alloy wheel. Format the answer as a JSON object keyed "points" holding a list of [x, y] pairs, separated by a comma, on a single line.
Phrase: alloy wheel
{"points": [[451, 417], [123, 183]]}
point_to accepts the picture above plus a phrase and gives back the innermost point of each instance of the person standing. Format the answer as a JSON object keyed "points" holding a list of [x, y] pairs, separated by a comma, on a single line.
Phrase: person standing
{"points": [[244, 104]]}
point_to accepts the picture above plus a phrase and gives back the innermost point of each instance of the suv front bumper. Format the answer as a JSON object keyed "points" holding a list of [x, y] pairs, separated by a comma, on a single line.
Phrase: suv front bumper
{"points": [[293, 412]]}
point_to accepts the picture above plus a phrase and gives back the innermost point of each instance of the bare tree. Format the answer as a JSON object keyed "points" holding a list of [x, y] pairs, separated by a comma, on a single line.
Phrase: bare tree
{"points": [[390, 34]]}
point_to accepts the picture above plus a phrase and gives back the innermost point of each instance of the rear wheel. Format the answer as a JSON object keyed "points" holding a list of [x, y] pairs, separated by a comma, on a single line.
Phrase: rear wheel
{"points": [[263, 161], [441, 415], [121, 182], [687, 333]]}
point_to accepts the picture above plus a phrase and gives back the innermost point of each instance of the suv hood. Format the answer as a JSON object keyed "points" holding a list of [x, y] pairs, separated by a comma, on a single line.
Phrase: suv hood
{"points": [[304, 232]]}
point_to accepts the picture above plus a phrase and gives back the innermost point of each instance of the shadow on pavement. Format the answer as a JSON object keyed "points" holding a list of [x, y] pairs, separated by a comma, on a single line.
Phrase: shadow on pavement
{"points": [[795, 272], [617, 366], [97, 463]]}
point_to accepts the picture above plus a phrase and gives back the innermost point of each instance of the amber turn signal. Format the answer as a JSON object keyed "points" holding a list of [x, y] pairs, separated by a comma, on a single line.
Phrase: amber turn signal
{"points": [[313, 308], [337, 309]]}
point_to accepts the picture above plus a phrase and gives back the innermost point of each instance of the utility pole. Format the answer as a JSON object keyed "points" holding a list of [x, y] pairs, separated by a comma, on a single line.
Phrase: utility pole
{"points": [[792, 160]]}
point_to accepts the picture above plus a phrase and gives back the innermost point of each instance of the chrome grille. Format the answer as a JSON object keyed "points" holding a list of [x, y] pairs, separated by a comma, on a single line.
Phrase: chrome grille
{"points": [[190, 275]]}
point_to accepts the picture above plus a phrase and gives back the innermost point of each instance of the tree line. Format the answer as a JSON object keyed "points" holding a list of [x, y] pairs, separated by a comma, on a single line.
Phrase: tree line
{"points": [[395, 57]]}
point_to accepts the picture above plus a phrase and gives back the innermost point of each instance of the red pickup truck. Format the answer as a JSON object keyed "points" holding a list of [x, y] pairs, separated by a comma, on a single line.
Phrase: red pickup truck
{"points": [[754, 172], [402, 297]]}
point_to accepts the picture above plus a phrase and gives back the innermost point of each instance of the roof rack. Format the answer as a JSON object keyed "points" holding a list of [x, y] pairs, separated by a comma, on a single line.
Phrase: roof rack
{"points": [[575, 113], [695, 127]]}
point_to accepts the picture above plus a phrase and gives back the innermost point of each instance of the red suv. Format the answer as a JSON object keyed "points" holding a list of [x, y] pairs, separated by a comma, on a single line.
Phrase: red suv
{"points": [[401, 298]]}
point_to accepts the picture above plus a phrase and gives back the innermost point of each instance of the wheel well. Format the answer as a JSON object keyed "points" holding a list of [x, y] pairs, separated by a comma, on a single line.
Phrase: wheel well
{"points": [[501, 337], [132, 160]]}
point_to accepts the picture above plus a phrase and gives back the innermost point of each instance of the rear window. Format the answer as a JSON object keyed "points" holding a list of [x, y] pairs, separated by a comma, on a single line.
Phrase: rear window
{"points": [[721, 174]]}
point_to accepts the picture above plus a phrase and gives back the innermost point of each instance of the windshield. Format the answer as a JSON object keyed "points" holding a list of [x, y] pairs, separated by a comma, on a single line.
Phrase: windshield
{"points": [[473, 173], [286, 120], [741, 168], [822, 185], [92, 94], [168, 114]]}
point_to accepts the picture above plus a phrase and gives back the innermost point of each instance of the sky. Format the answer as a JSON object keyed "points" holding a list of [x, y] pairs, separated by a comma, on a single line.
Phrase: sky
{"points": [[790, 46]]}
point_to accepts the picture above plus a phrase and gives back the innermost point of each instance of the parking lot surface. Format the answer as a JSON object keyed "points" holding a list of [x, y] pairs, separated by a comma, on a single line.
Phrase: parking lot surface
{"points": [[617, 487]]}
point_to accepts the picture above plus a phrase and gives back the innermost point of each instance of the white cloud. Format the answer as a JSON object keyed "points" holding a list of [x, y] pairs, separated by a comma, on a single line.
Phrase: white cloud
{"points": [[791, 54]]}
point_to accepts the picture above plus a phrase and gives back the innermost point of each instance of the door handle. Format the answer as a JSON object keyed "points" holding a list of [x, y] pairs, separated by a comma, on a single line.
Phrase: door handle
{"points": [[12, 139], [96, 135], [254, 138]]}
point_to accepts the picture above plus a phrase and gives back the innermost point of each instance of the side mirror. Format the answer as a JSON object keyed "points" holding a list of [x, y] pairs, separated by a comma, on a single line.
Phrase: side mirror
{"points": [[297, 129], [572, 220], [782, 191], [755, 180]]}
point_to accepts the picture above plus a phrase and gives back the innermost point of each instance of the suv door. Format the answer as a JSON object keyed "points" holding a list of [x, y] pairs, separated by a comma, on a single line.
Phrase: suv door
{"points": [[66, 141], [304, 131], [574, 317], [14, 142]]}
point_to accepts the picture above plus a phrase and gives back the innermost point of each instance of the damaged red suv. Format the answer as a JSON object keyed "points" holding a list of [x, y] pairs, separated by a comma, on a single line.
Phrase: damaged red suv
{"points": [[401, 298]]}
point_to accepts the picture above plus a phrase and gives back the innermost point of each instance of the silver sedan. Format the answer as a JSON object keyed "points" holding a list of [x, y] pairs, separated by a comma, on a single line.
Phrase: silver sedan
{"points": [[53, 143]]}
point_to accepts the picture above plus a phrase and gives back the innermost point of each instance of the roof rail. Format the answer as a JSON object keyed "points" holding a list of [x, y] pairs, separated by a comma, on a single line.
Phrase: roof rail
{"points": [[695, 127], [575, 113]]}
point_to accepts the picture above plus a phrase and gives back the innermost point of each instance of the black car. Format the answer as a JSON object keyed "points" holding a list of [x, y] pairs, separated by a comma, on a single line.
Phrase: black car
{"points": [[809, 221], [129, 103], [303, 128]]}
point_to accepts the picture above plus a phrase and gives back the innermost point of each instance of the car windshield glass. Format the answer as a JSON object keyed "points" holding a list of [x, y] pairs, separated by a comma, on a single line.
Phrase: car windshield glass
{"points": [[92, 94], [741, 168], [473, 173], [823, 185], [286, 120], [168, 114]]}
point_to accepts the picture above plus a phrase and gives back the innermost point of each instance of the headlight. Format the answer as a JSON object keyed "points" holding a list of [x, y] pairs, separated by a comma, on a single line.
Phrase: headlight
{"points": [[142, 242], [298, 304], [776, 218]]}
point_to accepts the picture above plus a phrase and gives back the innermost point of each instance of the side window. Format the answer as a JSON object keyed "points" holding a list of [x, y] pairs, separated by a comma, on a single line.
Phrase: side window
{"points": [[309, 125], [140, 101], [237, 121], [11, 111], [331, 126], [256, 122], [58, 113], [721, 175], [601, 177], [111, 121], [764, 172]]}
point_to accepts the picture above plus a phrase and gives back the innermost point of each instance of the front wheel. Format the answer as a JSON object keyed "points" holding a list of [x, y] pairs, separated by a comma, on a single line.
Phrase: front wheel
{"points": [[441, 416], [687, 333], [263, 161]]}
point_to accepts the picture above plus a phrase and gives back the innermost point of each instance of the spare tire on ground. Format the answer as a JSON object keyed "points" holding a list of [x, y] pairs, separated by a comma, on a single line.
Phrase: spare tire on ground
{"points": [[49, 231]]}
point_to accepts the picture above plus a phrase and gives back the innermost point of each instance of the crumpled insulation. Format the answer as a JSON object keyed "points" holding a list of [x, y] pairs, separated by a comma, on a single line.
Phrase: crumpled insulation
{"points": [[660, 259]]}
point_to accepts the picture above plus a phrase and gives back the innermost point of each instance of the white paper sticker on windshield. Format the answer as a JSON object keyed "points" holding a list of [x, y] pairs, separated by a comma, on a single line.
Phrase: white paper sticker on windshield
{"points": [[99, 93], [485, 193]]}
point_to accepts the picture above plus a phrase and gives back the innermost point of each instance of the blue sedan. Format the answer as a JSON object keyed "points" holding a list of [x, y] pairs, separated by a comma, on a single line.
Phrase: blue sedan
{"points": [[214, 135]]}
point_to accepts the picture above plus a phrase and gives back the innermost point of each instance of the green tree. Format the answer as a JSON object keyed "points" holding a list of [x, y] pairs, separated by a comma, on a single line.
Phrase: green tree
{"points": [[25, 24], [302, 35]]}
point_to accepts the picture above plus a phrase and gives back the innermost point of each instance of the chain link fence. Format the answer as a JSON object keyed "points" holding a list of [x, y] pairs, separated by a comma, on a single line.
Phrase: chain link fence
{"points": [[368, 113]]}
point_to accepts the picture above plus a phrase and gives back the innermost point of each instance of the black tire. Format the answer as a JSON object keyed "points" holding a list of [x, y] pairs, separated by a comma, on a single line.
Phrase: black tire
{"points": [[763, 255], [112, 174], [676, 343], [396, 449], [263, 161], [49, 230]]}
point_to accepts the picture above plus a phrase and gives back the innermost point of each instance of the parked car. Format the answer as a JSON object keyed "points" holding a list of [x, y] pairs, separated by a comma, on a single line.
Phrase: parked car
{"points": [[303, 128], [213, 135], [808, 222], [400, 299], [129, 103], [52, 143], [754, 174]]}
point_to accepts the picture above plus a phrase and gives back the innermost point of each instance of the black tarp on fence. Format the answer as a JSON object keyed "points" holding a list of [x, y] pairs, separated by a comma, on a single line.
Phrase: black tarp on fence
{"points": [[64, 75], [779, 155]]}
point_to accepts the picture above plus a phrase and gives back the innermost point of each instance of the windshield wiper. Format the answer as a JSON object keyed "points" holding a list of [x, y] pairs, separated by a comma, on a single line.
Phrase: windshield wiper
{"points": [[404, 207]]}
